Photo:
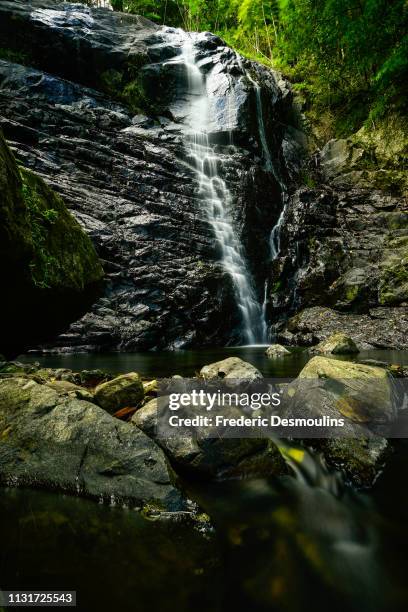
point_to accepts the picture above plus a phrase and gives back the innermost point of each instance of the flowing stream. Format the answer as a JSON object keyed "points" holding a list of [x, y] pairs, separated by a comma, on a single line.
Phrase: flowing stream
{"points": [[217, 199]]}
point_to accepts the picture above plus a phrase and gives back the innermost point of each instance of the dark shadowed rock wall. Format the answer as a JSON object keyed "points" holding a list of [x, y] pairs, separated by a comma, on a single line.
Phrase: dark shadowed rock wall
{"points": [[50, 270]]}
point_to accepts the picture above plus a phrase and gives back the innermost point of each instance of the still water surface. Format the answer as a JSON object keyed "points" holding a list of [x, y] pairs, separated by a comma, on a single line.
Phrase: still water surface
{"points": [[188, 363], [279, 545]]}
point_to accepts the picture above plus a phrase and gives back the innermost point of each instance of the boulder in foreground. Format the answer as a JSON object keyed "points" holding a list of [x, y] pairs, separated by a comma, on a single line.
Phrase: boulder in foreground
{"points": [[360, 394], [214, 457], [50, 442]]}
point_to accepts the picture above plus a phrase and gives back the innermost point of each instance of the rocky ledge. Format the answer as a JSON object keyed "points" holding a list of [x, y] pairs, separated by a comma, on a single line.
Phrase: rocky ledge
{"points": [[382, 328]]}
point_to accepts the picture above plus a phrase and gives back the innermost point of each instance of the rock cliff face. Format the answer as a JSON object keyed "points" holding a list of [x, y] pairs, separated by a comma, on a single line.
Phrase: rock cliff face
{"points": [[344, 245], [50, 269], [101, 119]]}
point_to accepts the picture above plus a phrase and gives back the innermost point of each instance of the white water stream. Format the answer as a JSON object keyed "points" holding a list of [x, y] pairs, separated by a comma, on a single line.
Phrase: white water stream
{"points": [[274, 240], [216, 198]]}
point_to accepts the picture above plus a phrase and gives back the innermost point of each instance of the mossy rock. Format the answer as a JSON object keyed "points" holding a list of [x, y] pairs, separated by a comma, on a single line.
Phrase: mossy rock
{"points": [[393, 286], [337, 344], [51, 271], [121, 392], [360, 392]]}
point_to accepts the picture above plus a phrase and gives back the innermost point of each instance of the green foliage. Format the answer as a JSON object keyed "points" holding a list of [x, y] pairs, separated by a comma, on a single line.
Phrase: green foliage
{"points": [[346, 56], [17, 57], [40, 220]]}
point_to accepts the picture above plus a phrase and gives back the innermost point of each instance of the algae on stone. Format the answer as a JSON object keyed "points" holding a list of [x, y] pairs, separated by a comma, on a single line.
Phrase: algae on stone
{"points": [[51, 272]]}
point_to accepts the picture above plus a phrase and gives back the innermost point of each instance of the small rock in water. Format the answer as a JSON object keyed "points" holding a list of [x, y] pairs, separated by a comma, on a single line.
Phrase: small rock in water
{"points": [[276, 350], [337, 344], [121, 392], [232, 367], [150, 387]]}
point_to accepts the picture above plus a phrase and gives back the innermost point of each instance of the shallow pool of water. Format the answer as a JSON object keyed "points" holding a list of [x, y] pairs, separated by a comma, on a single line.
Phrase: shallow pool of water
{"points": [[288, 544], [189, 362]]}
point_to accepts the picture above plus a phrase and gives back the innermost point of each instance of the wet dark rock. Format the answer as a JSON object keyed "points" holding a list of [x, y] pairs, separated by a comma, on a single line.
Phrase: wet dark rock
{"points": [[50, 441], [362, 459], [343, 242], [383, 328], [91, 120]]}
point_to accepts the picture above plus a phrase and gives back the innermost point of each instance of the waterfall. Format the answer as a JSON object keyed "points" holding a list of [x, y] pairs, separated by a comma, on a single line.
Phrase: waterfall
{"points": [[274, 240], [216, 198]]}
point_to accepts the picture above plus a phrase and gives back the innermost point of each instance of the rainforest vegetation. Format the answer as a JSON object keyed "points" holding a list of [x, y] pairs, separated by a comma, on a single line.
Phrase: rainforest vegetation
{"points": [[347, 59]]}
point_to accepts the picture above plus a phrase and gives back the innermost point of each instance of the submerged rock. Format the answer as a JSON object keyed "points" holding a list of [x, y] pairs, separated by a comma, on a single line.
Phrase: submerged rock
{"points": [[121, 392], [338, 344], [232, 367], [53, 442], [276, 350]]}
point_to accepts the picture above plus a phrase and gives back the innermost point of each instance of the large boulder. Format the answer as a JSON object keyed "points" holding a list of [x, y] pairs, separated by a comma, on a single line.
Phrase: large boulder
{"points": [[363, 395], [47, 260], [121, 392], [213, 456], [232, 367], [337, 344], [53, 442]]}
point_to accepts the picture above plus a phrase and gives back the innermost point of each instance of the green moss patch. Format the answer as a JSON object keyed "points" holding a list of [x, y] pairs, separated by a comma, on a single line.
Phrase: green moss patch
{"points": [[62, 255]]}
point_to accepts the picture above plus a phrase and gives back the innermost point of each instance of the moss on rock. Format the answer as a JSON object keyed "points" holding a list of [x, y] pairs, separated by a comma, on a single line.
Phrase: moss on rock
{"points": [[393, 286], [63, 255], [51, 272]]}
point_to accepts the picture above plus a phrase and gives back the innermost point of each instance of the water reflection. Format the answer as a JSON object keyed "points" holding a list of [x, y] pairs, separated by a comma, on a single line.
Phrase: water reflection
{"points": [[189, 362]]}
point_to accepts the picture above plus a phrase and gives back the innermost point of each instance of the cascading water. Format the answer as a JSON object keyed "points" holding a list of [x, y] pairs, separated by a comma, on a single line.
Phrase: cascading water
{"points": [[216, 197], [275, 233], [274, 239]]}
